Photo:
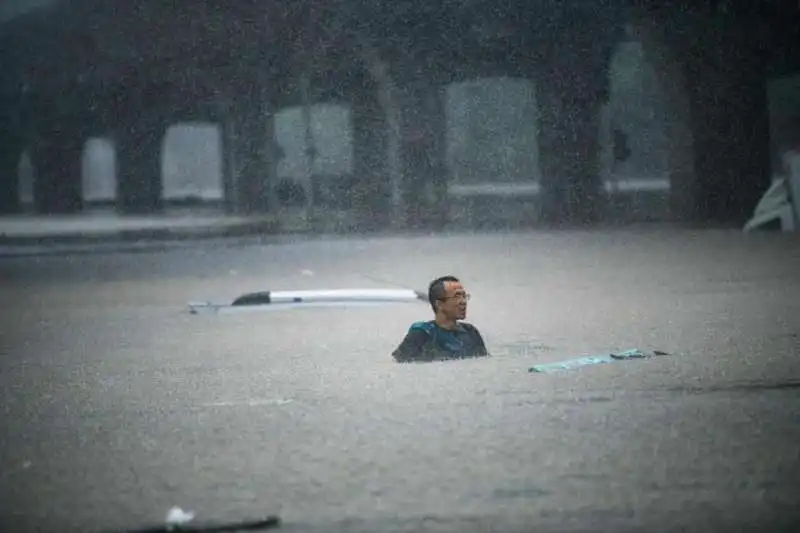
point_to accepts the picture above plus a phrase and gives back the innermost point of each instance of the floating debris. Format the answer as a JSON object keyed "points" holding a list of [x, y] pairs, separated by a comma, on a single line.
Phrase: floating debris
{"points": [[570, 364]]}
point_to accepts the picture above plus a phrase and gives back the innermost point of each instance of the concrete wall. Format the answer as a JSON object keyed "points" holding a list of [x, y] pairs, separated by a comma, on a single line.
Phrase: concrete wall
{"points": [[784, 116], [492, 137], [494, 125], [191, 166]]}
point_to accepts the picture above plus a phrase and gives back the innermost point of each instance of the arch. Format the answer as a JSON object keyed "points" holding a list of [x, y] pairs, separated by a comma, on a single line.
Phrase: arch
{"points": [[99, 172], [323, 155], [26, 176], [713, 65], [492, 146], [634, 144], [492, 131], [192, 164], [646, 30]]}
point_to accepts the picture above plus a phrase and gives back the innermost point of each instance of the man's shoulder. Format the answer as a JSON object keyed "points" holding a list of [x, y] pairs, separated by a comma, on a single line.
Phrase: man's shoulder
{"points": [[428, 326], [425, 326], [471, 328]]}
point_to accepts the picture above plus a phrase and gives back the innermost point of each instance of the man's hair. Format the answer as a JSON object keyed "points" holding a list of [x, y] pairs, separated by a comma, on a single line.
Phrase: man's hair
{"points": [[436, 290]]}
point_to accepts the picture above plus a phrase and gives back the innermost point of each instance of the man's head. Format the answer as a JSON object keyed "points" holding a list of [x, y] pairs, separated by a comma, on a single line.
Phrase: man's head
{"points": [[448, 298]]}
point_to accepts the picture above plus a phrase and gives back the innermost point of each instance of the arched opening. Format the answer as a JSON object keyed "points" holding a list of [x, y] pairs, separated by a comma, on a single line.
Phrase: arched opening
{"points": [[26, 175], [492, 151], [676, 112], [635, 158], [192, 165], [316, 167], [99, 174]]}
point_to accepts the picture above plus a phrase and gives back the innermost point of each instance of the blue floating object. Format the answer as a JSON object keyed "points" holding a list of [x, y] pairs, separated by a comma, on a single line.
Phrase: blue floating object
{"points": [[571, 364]]}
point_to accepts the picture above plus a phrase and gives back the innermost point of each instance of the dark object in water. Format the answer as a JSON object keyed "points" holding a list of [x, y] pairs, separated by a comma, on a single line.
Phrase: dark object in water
{"points": [[270, 522], [254, 298]]}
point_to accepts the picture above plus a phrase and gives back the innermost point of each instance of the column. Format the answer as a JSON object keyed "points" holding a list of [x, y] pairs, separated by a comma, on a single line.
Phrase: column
{"points": [[371, 194], [572, 84], [390, 96], [730, 123], [139, 144], [11, 149], [57, 153], [423, 154], [569, 152], [250, 153], [664, 53]]}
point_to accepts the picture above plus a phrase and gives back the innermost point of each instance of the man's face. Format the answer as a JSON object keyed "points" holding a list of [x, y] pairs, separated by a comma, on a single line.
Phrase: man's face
{"points": [[454, 304]]}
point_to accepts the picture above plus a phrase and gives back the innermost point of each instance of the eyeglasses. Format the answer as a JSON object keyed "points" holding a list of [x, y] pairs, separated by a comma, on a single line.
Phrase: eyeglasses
{"points": [[461, 296]]}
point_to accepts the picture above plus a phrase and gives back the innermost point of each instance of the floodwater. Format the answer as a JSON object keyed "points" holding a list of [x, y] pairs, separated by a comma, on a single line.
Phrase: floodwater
{"points": [[116, 404]]}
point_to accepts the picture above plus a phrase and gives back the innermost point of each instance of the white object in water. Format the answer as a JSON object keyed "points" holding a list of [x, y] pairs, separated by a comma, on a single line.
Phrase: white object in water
{"points": [[781, 202], [775, 206], [178, 517], [267, 300], [344, 295]]}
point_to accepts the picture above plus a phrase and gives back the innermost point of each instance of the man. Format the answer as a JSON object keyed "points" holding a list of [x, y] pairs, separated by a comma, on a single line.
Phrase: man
{"points": [[444, 337]]}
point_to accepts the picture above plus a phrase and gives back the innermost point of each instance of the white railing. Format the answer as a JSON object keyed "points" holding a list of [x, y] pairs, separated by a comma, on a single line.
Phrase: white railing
{"points": [[523, 189]]}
